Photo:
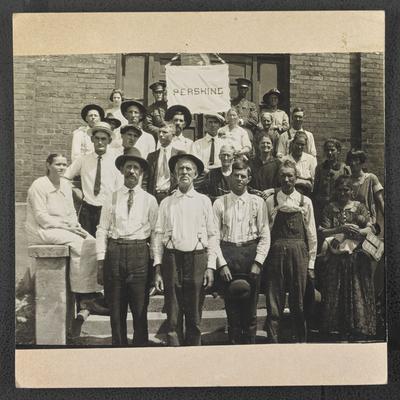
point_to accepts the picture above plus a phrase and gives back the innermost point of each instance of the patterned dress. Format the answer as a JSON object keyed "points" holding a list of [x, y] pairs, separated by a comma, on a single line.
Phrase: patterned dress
{"points": [[347, 280]]}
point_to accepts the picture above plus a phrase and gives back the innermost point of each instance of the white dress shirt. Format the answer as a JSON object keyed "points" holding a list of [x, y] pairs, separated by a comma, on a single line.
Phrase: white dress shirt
{"points": [[81, 143], [163, 182], [117, 224], [290, 203], [86, 167], [237, 137], [245, 218], [182, 143], [202, 148], [286, 138], [305, 165], [145, 144], [187, 219]]}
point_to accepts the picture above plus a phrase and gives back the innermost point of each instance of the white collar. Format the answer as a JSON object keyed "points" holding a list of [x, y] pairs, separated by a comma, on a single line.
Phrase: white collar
{"points": [[189, 193], [243, 197], [136, 189]]}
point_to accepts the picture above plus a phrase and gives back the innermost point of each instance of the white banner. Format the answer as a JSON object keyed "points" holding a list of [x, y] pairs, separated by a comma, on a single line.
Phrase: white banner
{"points": [[201, 88]]}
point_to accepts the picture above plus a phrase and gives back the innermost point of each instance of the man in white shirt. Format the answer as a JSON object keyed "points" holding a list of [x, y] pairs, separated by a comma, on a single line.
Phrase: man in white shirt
{"points": [[81, 137], [158, 180], [127, 223], [185, 245], [242, 221], [135, 112], [286, 138], [208, 147], [305, 163], [291, 256], [98, 175], [181, 117]]}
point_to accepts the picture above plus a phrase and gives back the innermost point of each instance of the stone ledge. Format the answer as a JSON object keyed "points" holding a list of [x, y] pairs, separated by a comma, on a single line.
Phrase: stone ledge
{"points": [[48, 251]]}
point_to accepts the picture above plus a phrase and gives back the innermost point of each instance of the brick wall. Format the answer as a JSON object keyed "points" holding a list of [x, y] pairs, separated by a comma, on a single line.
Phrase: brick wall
{"points": [[342, 94], [373, 110], [320, 83], [49, 94]]}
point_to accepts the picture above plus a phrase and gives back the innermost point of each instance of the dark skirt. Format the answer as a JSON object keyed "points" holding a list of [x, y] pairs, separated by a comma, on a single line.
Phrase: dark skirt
{"points": [[348, 298]]}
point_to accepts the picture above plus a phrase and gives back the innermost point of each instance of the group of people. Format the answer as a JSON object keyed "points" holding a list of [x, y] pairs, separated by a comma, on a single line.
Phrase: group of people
{"points": [[244, 209]]}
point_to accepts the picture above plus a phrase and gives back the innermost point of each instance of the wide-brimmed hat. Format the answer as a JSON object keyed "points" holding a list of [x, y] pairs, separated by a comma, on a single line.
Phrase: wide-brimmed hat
{"points": [[171, 111], [130, 102], [133, 154], [274, 91], [239, 289], [174, 159], [159, 85], [243, 82], [101, 126], [130, 127], [89, 107], [109, 118], [217, 116]]}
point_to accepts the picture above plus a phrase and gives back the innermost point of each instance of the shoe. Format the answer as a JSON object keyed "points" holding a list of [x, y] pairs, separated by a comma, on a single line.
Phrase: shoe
{"points": [[94, 307]]}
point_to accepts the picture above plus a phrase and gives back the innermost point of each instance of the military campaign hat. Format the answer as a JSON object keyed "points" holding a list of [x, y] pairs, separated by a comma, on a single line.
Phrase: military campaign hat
{"points": [[243, 82], [89, 107], [171, 111]]}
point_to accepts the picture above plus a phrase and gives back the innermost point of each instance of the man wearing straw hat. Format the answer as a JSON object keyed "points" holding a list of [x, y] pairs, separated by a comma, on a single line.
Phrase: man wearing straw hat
{"points": [[184, 252], [127, 223]]}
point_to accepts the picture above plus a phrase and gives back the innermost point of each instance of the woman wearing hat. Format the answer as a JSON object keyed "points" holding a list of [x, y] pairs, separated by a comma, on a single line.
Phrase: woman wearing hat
{"points": [[346, 273], [116, 98], [127, 223], [51, 219], [280, 118], [81, 139]]}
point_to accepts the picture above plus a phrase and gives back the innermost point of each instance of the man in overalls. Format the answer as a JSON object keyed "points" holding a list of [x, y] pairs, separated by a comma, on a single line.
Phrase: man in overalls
{"points": [[242, 220], [291, 256], [184, 252], [127, 222]]}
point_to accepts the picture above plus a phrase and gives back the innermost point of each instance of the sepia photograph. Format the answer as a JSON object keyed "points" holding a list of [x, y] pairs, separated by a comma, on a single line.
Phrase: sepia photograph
{"points": [[180, 199]]}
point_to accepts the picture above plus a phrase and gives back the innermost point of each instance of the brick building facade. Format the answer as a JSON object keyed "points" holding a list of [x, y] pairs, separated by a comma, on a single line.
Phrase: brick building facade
{"points": [[342, 94]]}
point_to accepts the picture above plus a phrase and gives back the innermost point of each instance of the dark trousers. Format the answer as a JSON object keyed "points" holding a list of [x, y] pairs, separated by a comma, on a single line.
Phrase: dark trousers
{"points": [[286, 265], [183, 274], [126, 274], [241, 313], [89, 217]]}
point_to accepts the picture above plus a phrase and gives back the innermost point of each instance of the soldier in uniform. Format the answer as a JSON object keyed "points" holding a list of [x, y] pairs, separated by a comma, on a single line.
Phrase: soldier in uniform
{"points": [[280, 119], [155, 114], [247, 110]]}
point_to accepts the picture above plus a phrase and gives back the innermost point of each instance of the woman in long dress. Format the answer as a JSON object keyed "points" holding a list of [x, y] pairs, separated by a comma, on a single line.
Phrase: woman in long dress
{"points": [[52, 219], [346, 272]]}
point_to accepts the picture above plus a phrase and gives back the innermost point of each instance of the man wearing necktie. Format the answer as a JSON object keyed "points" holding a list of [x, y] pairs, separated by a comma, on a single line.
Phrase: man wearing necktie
{"points": [[99, 178], [184, 252], [158, 180], [244, 240], [126, 226], [286, 139], [208, 147]]}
